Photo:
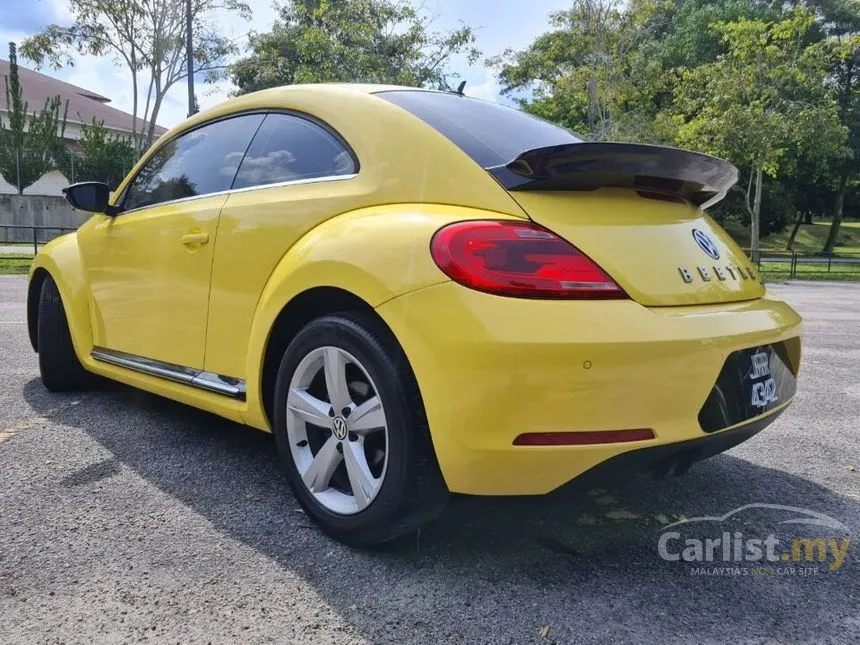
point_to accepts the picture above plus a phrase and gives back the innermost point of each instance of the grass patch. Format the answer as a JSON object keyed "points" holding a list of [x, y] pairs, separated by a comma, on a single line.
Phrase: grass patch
{"points": [[810, 237], [14, 265], [778, 271]]}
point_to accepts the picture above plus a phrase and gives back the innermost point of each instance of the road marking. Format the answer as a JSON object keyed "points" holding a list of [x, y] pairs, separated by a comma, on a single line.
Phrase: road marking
{"points": [[26, 424]]}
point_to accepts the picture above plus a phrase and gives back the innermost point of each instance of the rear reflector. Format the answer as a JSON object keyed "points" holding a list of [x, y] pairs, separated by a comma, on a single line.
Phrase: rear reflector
{"points": [[582, 438], [521, 260]]}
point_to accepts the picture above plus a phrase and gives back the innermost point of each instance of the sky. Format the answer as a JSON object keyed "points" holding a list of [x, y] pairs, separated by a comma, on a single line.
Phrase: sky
{"points": [[499, 24]]}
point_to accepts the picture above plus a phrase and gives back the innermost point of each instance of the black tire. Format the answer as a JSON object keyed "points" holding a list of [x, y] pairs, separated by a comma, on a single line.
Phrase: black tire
{"points": [[413, 491], [59, 365]]}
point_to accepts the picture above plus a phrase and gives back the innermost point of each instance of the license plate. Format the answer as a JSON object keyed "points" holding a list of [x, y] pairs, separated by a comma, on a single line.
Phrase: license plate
{"points": [[752, 382]]}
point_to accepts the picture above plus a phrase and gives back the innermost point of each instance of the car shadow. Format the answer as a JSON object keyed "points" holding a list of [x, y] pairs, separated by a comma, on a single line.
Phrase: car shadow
{"points": [[583, 559]]}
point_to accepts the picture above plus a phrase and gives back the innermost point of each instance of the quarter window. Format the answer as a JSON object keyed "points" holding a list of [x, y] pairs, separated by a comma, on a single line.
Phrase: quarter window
{"points": [[291, 148], [199, 162]]}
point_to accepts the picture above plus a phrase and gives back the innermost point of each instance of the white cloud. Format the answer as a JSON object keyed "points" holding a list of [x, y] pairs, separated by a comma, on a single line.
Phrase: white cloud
{"points": [[488, 90], [504, 26], [61, 11]]}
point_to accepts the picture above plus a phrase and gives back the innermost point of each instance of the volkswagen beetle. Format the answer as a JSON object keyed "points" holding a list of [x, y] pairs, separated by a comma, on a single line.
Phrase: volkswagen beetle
{"points": [[420, 293]]}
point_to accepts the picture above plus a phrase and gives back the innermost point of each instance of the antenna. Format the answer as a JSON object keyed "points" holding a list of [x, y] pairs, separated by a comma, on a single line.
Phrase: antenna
{"points": [[461, 87]]}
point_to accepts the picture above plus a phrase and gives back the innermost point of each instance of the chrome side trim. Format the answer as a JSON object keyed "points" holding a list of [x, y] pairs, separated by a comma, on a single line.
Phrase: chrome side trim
{"points": [[280, 184], [225, 385], [220, 384]]}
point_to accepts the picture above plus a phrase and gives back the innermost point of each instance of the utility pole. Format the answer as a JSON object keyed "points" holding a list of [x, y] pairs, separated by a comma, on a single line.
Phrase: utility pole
{"points": [[189, 55]]}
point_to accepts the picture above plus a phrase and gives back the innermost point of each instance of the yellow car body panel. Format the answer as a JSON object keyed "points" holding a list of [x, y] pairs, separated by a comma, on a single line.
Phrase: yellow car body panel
{"points": [[489, 368], [149, 282], [60, 258], [253, 278], [328, 257], [492, 368], [645, 243]]}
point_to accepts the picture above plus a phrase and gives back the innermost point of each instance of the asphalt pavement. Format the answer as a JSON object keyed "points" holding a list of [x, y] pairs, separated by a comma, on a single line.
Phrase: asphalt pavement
{"points": [[128, 518]]}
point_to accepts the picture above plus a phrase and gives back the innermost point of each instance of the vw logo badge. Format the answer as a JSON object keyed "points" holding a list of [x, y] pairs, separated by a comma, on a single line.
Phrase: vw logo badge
{"points": [[338, 428], [706, 244]]}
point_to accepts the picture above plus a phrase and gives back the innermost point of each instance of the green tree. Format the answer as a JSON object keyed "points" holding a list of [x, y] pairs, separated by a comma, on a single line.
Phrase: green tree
{"points": [[372, 41], [841, 23], [588, 73], [758, 101], [30, 144], [103, 156], [148, 38], [682, 28]]}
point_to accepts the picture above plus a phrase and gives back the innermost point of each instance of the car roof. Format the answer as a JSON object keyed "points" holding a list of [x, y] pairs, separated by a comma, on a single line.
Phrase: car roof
{"points": [[275, 95], [282, 96]]}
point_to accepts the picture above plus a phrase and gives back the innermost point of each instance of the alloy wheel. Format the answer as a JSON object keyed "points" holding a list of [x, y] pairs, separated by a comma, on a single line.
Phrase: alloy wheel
{"points": [[337, 430]]}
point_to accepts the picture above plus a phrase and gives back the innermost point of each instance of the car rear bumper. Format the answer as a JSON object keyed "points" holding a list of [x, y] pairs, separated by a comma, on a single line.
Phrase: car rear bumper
{"points": [[492, 368]]}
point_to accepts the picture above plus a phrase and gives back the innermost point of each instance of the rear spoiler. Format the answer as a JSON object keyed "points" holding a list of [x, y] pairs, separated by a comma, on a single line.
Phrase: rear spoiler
{"points": [[700, 179]]}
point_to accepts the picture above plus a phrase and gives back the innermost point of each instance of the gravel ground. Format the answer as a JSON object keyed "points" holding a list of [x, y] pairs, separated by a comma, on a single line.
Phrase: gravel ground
{"points": [[127, 518]]}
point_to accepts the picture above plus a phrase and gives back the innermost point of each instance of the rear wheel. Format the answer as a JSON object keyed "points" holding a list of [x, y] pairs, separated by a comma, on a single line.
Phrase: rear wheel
{"points": [[58, 364], [352, 433]]}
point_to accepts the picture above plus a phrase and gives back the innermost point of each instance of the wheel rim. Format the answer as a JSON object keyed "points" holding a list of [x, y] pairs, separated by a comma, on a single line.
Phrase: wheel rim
{"points": [[337, 430]]}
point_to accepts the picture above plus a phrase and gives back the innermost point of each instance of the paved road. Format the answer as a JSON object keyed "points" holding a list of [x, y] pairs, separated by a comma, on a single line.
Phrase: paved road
{"points": [[124, 518]]}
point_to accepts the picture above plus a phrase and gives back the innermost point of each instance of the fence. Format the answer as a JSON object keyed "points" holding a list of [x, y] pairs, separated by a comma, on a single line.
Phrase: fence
{"points": [[13, 236], [775, 264], [37, 172]]}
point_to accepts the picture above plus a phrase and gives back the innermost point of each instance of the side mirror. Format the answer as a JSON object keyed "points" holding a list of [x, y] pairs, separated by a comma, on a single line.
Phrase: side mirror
{"points": [[90, 196]]}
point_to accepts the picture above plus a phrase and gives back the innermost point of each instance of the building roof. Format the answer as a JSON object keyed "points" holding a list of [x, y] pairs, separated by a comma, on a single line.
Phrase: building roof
{"points": [[84, 106]]}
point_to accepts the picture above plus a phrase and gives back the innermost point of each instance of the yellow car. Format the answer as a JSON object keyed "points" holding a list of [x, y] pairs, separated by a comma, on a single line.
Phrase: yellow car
{"points": [[420, 293]]}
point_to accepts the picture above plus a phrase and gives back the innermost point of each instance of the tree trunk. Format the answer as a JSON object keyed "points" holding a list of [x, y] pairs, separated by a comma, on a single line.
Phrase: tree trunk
{"points": [[592, 110], [797, 222], [134, 135], [19, 185], [837, 213], [150, 134], [754, 223]]}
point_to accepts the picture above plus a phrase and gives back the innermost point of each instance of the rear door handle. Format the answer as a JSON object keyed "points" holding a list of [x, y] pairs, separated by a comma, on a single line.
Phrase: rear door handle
{"points": [[195, 238]]}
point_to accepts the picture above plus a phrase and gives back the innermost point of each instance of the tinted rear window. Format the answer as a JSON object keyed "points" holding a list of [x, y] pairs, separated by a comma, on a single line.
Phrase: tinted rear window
{"points": [[491, 134]]}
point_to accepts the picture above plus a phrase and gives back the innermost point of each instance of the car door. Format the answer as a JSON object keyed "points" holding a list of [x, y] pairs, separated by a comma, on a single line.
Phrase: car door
{"points": [[296, 173], [149, 267]]}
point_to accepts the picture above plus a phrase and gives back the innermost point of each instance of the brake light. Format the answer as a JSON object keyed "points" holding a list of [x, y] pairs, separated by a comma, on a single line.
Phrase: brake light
{"points": [[519, 259]]}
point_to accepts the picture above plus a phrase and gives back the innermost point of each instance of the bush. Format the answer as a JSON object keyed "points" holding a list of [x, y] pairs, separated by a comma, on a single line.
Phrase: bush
{"points": [[103, 156]]}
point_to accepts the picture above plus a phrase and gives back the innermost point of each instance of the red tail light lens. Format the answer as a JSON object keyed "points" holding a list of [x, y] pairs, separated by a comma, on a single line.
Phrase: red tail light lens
{"points": [[519, 259]]}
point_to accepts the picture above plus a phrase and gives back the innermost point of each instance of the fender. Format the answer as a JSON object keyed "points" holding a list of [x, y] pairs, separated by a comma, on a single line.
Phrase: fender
{"points": [[395, 261], [62, 260]]}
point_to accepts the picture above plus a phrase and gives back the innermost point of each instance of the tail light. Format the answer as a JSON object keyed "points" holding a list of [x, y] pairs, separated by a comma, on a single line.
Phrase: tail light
{"points": [[519, 259]]}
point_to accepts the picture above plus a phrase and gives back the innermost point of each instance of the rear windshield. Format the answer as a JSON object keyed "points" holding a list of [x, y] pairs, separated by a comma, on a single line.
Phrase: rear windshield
{"points": [[491, 134]]}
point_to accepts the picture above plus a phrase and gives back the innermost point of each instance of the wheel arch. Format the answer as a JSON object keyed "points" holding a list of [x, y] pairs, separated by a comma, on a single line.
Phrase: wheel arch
{"points": [[306, 306], [61, 261]]}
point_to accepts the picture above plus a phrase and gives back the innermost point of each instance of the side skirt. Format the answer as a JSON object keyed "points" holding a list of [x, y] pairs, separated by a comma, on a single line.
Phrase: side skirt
{"points": [[224, 385]]}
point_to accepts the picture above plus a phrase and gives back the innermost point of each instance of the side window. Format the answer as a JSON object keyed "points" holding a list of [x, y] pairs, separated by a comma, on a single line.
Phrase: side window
{"points": [[289, 148], [199, 162]]}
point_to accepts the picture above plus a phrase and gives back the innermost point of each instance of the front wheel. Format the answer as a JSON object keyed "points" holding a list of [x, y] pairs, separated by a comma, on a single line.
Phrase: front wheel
{"points": [[352, 433], [58, 364]]}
